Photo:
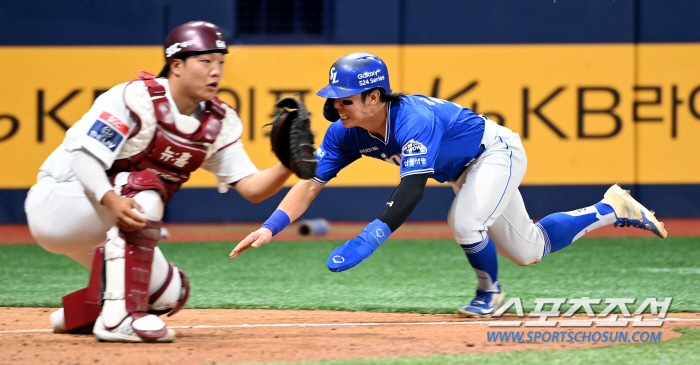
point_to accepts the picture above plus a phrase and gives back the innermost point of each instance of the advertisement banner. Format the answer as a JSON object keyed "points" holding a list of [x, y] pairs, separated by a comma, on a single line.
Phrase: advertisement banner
{"points": [[587, 114]]}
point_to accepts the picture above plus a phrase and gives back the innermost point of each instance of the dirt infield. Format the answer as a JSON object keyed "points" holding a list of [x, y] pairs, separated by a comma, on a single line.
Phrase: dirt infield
{"points": [[254, 336], [208, 336], [10, 234]]}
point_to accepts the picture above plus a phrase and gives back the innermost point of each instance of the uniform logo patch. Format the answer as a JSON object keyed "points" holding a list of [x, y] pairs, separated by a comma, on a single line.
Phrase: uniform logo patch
{"points": [[319, 154], [413, 148], [105, 134], [115, 122], [415, 162]]}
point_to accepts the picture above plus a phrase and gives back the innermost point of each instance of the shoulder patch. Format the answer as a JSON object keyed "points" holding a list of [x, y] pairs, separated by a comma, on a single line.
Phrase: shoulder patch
{"points": [[105, 134], [115, 122], [413, 148]]}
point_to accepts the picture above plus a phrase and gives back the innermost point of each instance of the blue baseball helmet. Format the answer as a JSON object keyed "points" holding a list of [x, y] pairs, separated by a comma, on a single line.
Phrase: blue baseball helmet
{"points": [[355, 73]]}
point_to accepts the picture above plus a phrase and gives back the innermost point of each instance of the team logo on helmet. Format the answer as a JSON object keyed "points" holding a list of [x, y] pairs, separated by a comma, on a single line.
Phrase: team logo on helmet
{"points": [[333, 76], [177, 47], [355, 73]]}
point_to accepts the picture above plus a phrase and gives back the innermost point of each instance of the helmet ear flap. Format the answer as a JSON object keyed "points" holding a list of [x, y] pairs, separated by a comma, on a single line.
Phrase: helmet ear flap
{"points": [[329, 111]]}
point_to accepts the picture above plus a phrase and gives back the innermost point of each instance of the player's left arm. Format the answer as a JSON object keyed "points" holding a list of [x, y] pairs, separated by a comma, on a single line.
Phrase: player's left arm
{"points": [[262, 184], [420, 141], [404, 200], [399, 207], [233, 168]]}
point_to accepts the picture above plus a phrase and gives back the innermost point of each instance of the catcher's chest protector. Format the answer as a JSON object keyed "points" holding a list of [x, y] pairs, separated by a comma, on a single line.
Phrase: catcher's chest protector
{"points": [[172, 154]]}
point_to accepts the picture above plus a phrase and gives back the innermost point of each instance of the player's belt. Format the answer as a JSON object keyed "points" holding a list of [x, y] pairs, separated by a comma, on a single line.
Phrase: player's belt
{"points": [[481, 150]]}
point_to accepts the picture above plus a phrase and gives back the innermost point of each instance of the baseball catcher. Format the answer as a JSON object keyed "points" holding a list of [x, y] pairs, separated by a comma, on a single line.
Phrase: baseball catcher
{"points": [[100, 196]]}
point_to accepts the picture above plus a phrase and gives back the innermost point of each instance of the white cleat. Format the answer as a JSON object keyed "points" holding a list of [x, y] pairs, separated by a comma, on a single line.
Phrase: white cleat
{"points": [[630, 212], [58, 321], [125, 332]]}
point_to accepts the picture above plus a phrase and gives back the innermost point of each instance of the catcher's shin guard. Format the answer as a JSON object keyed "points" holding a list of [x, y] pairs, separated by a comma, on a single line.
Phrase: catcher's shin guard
{"points": [[128, 261], [168, 292], [138, 259], [129, 256], [169, 298], [81, 308]]}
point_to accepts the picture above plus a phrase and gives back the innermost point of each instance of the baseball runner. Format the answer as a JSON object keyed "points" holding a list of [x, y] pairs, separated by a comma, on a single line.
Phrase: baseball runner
{"points": [[100, 195], [432, 138]]}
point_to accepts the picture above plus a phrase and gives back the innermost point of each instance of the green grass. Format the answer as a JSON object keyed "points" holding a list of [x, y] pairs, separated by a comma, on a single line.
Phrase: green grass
{"points": [[406, 276], [403, 276], [681, 350]]}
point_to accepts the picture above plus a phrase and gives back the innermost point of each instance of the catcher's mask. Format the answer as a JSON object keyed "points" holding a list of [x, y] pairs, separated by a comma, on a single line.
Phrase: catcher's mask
{"points": [[192, 38], [355, 73]]}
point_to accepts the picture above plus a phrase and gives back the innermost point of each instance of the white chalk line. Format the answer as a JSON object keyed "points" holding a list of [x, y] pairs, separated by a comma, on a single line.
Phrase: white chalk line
{"points": [[245, 325]]}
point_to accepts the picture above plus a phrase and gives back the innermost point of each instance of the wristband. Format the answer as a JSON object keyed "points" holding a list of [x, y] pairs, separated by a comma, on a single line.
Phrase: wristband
{"points": [[375, 233], [278, 221]]}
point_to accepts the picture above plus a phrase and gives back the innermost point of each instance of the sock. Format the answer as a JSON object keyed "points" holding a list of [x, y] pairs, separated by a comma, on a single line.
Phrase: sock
{"points": [[482, 257], [562, 229]]}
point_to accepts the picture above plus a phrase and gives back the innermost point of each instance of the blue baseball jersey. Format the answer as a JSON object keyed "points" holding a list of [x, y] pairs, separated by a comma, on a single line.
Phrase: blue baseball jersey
{"points": [[424, 135]]}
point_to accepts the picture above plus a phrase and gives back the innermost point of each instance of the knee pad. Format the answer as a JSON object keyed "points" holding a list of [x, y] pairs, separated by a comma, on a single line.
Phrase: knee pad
{"points": [[152, 205], [146, 188], [136, 181]]}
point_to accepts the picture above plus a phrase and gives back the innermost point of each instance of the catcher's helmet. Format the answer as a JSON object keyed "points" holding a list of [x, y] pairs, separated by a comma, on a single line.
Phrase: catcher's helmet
{"points": [[355, 73], [197, 36]]}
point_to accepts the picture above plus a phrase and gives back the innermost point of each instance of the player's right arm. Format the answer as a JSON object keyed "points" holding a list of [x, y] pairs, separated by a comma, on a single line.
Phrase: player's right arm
{"points": [[91, 174], [334, 153], [292, 207], [93, 143]]}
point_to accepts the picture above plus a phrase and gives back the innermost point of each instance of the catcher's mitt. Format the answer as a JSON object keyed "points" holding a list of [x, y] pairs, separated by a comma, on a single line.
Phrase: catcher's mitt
{"points": [[292, 139]]}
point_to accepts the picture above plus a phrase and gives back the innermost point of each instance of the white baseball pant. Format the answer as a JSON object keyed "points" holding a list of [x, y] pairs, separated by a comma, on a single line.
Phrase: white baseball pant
{"points": [[65, 220], [488, 201]]}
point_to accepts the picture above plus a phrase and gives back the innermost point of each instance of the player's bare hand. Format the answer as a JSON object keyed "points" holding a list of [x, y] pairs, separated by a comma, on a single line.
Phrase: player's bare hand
{"points": [[254, 240], [124, 211]]}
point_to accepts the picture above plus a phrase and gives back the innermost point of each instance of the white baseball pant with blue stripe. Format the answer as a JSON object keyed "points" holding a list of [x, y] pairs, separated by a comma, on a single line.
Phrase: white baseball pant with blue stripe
{"points": [[488, 201]]}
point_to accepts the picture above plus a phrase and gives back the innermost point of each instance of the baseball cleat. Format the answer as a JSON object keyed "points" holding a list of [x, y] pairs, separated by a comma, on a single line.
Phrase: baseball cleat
{"points": [[630, 212], [125, 332], [58, 321], [484, 305]]}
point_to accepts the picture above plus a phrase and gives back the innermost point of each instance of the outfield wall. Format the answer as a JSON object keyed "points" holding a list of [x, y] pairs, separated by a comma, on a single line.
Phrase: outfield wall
{"points": [[594, 106]]}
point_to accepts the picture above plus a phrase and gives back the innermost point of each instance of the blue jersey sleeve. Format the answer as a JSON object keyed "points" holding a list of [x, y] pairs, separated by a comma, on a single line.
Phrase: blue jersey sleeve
{"points": [[334, 153], [419, 135]]}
